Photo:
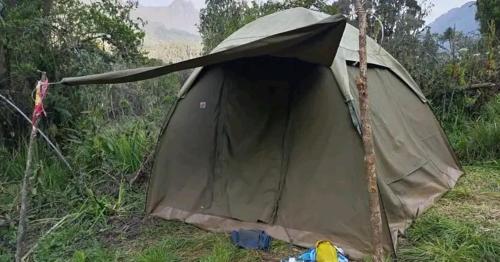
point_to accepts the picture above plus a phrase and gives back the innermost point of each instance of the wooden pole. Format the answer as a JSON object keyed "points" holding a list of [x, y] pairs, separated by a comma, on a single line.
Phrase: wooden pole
{"points": [[23, 213], [25, 188], [367, 134]]}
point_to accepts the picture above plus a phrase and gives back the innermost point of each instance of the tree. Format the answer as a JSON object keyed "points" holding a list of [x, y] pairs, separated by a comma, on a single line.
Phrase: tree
{"points": [[395, 24], [368, 145], [4, 77], [398, 25], [451, 36], [488, 15], [104, 29], [427, 68], [218, 20], [63, 37], [399, 17]]}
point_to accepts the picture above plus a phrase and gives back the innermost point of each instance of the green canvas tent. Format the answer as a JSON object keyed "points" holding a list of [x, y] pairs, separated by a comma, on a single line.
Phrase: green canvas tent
{"points": [[265, 134]]}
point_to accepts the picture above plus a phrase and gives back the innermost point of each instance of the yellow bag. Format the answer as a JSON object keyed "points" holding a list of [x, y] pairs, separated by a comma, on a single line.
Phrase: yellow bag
{"points": [[326, 251]]}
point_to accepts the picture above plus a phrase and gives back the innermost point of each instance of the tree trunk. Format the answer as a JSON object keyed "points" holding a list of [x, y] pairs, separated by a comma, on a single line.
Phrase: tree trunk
{"points": [[3, 68], [4, 52], [369, 159]]}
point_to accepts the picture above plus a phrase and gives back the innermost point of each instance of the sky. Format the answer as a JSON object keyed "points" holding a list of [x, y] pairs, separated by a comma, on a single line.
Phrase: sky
{"points": [[440, 6], [197, 3], [443, 6]]}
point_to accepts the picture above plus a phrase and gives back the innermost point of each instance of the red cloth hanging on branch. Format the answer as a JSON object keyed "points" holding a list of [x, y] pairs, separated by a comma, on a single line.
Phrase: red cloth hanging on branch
{"points": [[41, 92]]}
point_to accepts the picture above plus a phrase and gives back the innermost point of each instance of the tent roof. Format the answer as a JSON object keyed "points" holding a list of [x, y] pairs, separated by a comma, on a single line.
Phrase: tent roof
{"points": [[272, 24], [299, 33]]}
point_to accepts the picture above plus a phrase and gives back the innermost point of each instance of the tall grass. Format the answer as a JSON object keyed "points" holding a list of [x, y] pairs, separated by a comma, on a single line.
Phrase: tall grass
{"points": [[50, 194], [105, 137], [477, 139], [96, 190], [106, 159], [435, 237], [119, 148]]}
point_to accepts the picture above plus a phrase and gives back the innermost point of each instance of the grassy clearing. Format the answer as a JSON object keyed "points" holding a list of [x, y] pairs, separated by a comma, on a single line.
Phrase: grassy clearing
{"points": [[463, 226]]}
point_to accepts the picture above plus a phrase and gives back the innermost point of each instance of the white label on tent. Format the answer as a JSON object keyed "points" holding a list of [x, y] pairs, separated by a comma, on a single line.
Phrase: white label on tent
{"points": [[203, 105]]}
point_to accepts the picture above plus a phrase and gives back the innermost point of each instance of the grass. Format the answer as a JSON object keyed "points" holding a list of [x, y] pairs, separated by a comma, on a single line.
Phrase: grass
{"points": [[106, 220], [463, 226]]}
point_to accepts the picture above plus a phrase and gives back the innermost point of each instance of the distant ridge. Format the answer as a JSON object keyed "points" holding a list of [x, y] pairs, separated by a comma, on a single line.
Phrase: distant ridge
{"points": [[462, 18], [171, 32], [179, 15]]}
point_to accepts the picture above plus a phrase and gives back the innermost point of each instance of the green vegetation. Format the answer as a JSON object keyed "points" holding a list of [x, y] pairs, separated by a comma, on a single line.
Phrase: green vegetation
{"points": [[99, 213], [488, 13], [44, 35], [93, 213], [478, 139], [107, 224], [463, 226]]}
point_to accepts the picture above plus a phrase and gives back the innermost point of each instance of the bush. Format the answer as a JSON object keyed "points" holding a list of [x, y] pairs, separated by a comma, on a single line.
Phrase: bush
{"points": [[119, 148]]}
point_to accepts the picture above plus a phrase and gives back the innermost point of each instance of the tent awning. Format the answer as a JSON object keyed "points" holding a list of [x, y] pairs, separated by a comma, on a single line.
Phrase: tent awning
{"points": [[309, 40]]}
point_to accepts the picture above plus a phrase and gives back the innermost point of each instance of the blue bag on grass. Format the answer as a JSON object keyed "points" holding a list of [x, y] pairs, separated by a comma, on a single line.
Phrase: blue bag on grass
{"points": [[251, 239]]}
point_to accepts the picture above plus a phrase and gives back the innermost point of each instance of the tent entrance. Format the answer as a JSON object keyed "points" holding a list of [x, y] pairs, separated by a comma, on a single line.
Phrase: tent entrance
{"points": [[251, 148]]}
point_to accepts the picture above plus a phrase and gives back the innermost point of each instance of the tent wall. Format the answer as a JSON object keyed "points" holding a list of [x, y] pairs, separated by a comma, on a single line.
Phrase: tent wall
{"points": [[415, 164], [325, 164], [184, 157], [273, 148], [255, 105], [253, 137]]}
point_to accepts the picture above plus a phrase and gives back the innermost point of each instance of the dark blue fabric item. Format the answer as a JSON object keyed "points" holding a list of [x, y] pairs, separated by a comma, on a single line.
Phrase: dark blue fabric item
{"points": [[251, 239]]}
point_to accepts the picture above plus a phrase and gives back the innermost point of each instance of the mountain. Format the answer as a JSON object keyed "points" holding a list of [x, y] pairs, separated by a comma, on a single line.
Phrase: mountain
{"points": [[462, 18], [179, 15], [171, 32], [157, 31]]}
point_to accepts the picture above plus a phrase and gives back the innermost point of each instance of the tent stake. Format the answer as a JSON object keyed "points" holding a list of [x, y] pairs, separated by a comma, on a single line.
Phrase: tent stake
{"points": [[369, 159]]}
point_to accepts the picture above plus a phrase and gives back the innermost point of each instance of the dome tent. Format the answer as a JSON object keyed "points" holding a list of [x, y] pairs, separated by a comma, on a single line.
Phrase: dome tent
{"points": [[265, 134]]}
